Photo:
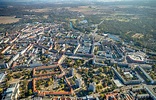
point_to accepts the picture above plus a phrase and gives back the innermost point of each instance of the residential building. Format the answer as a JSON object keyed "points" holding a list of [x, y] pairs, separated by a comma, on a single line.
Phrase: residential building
{"points": [[12, 92], [2, 76], [78, 82], [129, 82], [152, 81], [92, 87], [71, 72]]}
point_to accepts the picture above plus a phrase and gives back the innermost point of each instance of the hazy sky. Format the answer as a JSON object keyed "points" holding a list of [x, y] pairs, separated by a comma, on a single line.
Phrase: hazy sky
{"points": [[60, 0], [68, 0]]}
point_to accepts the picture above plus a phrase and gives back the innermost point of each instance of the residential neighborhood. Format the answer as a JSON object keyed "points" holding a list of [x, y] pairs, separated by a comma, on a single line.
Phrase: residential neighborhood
{"points": [[73, 59]]}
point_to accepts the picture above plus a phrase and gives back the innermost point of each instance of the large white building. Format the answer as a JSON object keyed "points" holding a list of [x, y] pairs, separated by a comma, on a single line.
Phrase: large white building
{"points": [[137, 57], [12, 92]]}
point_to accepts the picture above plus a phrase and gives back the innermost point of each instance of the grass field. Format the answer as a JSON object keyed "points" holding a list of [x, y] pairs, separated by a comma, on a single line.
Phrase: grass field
{"points": [[8, 19], [84, 9]]}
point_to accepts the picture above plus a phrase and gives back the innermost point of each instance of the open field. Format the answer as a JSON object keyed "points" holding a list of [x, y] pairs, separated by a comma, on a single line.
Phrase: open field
{"points": [[39, 10], [8, 19], [84, 9], [45, 16], [73, 20], [138, 35]]}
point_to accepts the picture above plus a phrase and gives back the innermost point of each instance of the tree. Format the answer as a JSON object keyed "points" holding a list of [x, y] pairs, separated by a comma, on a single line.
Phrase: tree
{"points": [[90, 92], [1, 56], [7, 84], [101, 69], [25, 85], [30, 92], [1, 90], [102, 96], [48, 83], [18, 75], [62, 86], [51, 79], [8, 76]]}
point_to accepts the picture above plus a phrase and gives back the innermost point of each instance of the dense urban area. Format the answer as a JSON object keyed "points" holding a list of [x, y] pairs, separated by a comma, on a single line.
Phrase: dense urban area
{"points": [[78, 50]]}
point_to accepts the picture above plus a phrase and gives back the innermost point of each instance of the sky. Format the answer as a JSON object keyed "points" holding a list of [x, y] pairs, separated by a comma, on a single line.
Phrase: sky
{"points": [[66, 0], [59, 0]]}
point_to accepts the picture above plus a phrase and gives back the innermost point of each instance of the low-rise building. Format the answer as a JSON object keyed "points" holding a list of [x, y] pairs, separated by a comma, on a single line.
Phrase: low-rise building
{"points": [[89, 98], [2, 76], [112, 96], [139, 92]]}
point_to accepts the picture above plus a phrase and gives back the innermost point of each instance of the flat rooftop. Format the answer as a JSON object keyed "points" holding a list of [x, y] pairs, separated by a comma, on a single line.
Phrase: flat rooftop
{"points": [[118, 83]]}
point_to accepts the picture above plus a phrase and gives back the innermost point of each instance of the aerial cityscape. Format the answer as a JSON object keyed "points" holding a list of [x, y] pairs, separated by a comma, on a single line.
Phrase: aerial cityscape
{"points": [[77, 50]]}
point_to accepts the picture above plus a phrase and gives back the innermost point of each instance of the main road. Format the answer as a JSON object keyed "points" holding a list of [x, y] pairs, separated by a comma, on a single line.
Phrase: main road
{"points": [[95, 30]]}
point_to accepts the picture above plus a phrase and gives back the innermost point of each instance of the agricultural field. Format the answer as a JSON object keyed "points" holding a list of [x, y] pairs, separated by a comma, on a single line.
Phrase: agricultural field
{"points": [[8, 19], [39, 10], [88, 10]]}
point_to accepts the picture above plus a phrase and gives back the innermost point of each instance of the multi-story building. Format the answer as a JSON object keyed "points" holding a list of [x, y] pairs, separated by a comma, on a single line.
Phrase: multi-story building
{"points": [[71, 72], [2, 76], [78, 82], [92, 87], [152, 81], [128, 82], [12, 92]]}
